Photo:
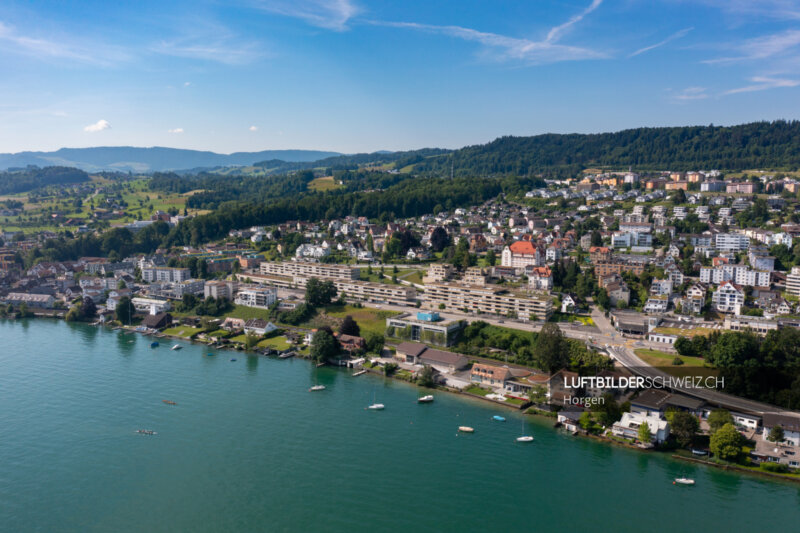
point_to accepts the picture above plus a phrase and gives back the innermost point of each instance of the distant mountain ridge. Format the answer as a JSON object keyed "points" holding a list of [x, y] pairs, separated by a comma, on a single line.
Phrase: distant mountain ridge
{"points": [[154, 159]]}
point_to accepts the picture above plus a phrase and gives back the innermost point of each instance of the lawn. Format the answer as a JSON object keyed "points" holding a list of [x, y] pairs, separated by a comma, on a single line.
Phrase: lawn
{"points": [[324, 184], [474, 389], [182, 331], [566, 317], [278, 343], [244, 312], [689, 332], [414, 277], [368, 319], [692, 366]]}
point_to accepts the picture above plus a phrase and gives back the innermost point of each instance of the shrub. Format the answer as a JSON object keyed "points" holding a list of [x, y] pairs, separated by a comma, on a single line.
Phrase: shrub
{"points": [[774, 467], [677, 361]]}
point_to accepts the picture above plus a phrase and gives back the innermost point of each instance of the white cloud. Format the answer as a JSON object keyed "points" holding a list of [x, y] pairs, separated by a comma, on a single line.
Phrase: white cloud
{"points": [[61, 49], [219, 51], [100, 125], [763, 47], [175, 130], [555, 33], [747, 9], [187, 83], [676, 35], [328, 14], [514, 48], [509, 47], [691, 93], [253, 128], [761, 83]]}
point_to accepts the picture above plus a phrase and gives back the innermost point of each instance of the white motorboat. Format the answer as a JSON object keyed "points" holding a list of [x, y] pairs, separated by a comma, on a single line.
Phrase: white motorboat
{"points": [[683, 481], [316, 388], [466, 429], [525, 438], [359, 373], [426, 399], [177, 347], [376, 406]]}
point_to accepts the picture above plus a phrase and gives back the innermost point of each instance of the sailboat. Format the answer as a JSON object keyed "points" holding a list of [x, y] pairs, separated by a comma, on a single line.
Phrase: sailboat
{"points": [[375, 406], [177, 347], [524, 437]]}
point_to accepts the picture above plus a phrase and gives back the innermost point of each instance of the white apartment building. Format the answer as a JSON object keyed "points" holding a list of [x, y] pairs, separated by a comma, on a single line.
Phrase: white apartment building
{"points": [[310, 270], [151, 306], [521, 254], [170, 274], [731, 242], [261, 297], [219, 289], [793, 281], [739, 274], [728, 298], [488, 299]]}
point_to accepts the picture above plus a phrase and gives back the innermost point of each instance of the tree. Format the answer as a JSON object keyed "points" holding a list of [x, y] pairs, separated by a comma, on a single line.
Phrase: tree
{"points": [[324, 345], [602, 299], [685, 427], [645, 435], [319, 293], [776, 434], [439, 239], [491, 258], [251, 340], [551, 348], [349, 327], [586, 421], [425, 378], [374, 342], [718, 418], [726, 443], [125, 310], [88, 308]]}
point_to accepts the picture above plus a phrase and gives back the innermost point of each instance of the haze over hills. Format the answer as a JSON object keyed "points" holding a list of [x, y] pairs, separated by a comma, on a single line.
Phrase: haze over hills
{"points": [[134, 159]]}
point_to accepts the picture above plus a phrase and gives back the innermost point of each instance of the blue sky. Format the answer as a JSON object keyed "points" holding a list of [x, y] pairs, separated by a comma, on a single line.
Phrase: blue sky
{"points": [[358, 75]]}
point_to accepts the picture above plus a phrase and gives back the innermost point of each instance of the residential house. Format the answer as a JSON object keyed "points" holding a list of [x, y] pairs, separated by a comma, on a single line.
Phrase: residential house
{"points": [[628, 427]]}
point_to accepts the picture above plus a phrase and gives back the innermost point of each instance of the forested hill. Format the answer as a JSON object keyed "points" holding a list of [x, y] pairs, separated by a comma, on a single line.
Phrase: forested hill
{"points": [[398, 160], [773, 145], [33, 178]]}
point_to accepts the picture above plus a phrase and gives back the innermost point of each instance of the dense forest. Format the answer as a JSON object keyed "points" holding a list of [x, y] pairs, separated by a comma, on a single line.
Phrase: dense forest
{"points": [[23, 180], [747, 146]]}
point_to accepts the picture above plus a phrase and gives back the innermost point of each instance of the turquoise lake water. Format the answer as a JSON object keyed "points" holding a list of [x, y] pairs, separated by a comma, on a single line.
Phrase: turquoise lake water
{"points": [[248, 448]]}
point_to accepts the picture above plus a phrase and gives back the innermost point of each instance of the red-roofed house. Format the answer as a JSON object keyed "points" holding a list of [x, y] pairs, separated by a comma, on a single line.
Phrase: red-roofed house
{"points": [[521, 254], [540, 278]]}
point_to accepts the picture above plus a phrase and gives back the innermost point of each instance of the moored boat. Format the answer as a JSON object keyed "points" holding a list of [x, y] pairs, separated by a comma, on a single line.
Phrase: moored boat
{"points": [[177, 347], [498, 418], [683, 481], [169, 402], [154, 344], [426, 399], [316, 388], [376, 406], [525, 438], [466, 429], [359, 373], [146, 432]]}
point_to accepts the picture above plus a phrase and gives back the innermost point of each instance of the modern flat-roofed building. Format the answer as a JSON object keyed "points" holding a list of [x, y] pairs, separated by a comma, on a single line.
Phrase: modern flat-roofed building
{"points": [[367, 291], [430, 327], [220, 289], [438, 272], [260, 297], [171, 274], [492, 299], [310, 270]]}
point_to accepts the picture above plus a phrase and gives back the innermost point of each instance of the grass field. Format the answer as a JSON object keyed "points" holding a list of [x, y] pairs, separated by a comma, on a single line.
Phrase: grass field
{"points": [[324, 184], [369, 320], [692, 366], [278, 343], [182, 331], [241, 311]]}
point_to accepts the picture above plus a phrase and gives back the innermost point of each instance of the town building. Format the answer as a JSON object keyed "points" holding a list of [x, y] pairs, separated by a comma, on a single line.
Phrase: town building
{"points": [[259, 297], [521, 254], [429, 327], [493, 299], [310, 270], [163, 273]]}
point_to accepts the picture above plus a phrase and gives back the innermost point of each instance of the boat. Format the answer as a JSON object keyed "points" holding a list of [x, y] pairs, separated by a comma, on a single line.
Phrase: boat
{"points": [[316, 388], [146, 432], [683, 481], [524, 437], [376, 407], [699, 452], [169, 402], [425, 399], [286, 355], [176, 347], [154, 344], [210, 354], [466, 429], [498, 418], [233, 359], [320, 364], [359, 373]]}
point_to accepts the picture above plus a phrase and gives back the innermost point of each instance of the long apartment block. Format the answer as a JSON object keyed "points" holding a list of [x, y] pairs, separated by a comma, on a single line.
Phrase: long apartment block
{"points": [[487, 299], [310, 270], [369, 292]]}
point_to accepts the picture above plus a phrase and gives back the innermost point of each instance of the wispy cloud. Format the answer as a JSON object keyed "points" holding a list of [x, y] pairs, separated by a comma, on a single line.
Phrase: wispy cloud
{"points": [[100, 125], [508, 48], [62, 49], [328, 14], [175, 130], [773, 9], [762, 47], [253, 128], [761, 83], [218, 51], [558, 31], [674, 36], [691, 93]]}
